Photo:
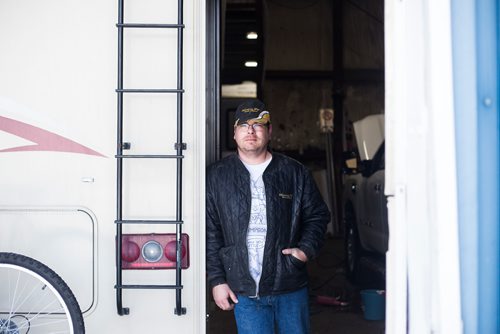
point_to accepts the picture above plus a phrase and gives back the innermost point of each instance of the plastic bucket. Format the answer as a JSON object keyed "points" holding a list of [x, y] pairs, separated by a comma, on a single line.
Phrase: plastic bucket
{"points": [[373, 304]]}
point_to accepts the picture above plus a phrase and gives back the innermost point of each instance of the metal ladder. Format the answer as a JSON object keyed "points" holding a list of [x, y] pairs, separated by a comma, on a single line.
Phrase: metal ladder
{"points": [[121, 145]]}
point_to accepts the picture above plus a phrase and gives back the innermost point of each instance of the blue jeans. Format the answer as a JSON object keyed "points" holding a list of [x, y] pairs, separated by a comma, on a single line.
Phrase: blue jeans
{"points": [[288, 312]]}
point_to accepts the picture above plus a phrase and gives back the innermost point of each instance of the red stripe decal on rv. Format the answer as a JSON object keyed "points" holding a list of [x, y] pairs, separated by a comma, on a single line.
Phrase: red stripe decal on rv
{"points": [[44, 140]]}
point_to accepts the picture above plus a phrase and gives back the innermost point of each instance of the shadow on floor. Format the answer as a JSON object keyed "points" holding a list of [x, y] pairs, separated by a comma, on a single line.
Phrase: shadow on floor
{"points": [[335, 303]]}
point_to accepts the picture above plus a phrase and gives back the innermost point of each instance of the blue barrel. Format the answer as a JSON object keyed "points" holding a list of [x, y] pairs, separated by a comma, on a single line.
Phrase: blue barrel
{"points": [[373, 304]]}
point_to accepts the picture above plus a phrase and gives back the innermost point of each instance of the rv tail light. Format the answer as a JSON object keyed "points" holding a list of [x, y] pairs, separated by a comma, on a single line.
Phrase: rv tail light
{"points": [[153, 251], [170, 251], [130, 251]]}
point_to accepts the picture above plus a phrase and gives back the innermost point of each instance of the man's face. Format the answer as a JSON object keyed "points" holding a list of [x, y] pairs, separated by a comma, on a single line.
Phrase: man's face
{"points": [[252, 137]]}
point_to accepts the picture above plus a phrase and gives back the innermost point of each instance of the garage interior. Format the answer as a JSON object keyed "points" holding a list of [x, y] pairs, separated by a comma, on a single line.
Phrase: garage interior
{"points": [[305, 59]]}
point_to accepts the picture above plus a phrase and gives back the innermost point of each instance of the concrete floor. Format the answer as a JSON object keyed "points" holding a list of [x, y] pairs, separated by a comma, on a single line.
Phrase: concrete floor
{"points": [[327, 279]]}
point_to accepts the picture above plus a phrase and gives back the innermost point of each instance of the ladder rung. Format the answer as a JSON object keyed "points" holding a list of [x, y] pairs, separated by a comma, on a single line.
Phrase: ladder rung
{"points": [[148, 25], [149, 156], [177, 287], [127, 221], [150, 90]]}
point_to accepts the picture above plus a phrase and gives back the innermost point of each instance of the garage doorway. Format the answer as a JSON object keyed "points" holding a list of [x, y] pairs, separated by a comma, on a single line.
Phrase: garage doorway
{"points": [[304, 59]]}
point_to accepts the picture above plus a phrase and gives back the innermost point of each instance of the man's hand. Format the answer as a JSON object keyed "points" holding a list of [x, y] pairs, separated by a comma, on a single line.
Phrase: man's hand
{"points": [[296, 252], [222, 293]]}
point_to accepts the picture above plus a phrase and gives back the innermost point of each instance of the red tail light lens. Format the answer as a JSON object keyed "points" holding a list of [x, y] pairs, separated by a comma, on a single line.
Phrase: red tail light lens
{"points": [[170, 251], [153, 251], [130, 251]]}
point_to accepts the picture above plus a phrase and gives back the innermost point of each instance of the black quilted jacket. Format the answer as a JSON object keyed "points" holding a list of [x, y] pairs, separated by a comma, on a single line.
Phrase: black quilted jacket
{"points": [[296, 217]]}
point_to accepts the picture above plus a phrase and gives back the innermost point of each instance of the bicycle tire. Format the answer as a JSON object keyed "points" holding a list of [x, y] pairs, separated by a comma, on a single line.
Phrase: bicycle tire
{"points": [[38, 276]]}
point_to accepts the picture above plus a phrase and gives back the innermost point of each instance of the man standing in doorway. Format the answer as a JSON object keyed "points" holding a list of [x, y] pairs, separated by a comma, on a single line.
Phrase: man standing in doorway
{"points": [[265, 220]]}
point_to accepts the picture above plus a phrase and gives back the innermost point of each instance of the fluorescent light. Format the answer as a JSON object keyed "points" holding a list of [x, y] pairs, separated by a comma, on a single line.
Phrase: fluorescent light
{"points": [[246, 89], [251, 63], [252, 35]]}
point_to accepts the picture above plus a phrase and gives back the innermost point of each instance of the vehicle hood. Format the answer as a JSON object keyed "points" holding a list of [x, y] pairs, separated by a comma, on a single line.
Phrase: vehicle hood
{"points": [[370, 134]]}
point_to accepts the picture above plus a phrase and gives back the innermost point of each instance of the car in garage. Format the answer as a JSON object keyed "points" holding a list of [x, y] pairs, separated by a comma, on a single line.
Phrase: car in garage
{"points": [[364, 202]]}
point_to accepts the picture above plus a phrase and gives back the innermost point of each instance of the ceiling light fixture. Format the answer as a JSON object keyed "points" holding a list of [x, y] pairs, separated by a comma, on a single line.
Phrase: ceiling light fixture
{"points": [[251, 63], [252, 35]]}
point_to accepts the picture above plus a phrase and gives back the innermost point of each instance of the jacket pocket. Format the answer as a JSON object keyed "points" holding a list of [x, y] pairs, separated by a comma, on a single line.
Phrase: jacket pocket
{"points": [[232, 267], [297, 262], [227, 255], [294, 263]]}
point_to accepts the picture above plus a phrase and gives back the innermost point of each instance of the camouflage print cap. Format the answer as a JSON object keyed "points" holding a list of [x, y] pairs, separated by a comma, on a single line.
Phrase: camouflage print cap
{"points": [[252, 111]]}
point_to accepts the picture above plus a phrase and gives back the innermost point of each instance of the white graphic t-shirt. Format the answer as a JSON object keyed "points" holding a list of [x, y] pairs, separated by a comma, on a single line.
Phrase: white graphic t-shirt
{"points": [[257, 226]]}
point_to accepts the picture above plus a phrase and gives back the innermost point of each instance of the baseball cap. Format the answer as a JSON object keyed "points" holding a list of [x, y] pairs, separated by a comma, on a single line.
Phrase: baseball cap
{"points": [[252, 111]]}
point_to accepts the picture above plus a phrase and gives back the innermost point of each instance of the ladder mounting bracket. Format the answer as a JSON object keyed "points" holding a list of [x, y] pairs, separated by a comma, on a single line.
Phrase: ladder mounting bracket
{"points": [[182, 311], [182, 146]]}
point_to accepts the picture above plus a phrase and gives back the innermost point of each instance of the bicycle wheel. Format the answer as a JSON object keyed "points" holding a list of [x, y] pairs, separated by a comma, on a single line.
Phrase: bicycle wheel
{"points": [[34, 299]]}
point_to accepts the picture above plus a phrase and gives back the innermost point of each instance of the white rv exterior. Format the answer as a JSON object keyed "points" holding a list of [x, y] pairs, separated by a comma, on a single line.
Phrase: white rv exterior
{"points": [[58, 128]]}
